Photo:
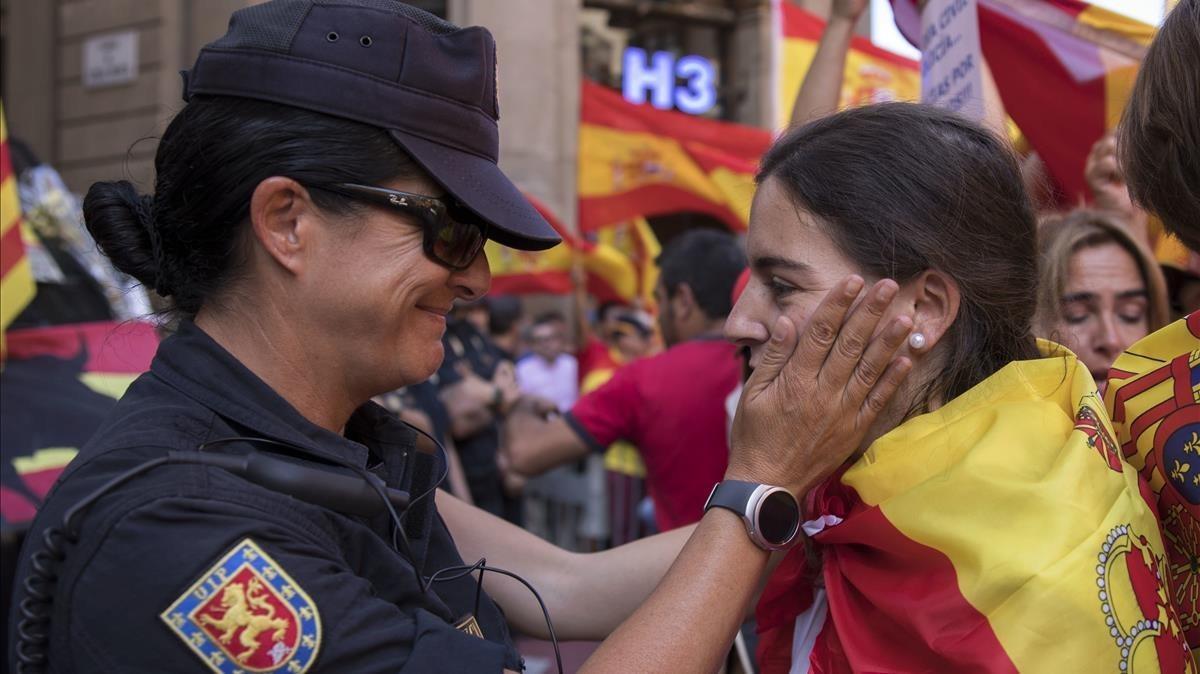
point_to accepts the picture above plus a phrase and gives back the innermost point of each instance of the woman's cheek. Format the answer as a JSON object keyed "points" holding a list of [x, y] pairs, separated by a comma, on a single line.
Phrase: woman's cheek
{"points": [[798, 311]]}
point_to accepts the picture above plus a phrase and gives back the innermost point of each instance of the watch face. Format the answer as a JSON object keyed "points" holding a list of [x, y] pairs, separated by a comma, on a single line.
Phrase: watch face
{"points": [[778, 517]]}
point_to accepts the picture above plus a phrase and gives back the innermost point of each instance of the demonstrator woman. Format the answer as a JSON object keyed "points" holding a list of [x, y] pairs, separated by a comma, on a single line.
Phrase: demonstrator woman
{"points": [[1100, 289], [987, 522]]}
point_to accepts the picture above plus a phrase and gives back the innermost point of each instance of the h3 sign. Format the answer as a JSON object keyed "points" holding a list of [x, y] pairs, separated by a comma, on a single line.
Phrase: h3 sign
{"points": [[688, 83]]}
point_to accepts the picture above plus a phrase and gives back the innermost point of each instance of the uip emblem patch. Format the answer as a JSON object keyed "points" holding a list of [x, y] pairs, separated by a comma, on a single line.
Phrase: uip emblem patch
{"points": [[246, 614]]}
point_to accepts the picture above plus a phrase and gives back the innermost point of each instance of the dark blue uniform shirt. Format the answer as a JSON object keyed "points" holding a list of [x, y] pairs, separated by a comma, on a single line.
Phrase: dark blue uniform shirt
{"points": [[190, 568], [465, 345]]}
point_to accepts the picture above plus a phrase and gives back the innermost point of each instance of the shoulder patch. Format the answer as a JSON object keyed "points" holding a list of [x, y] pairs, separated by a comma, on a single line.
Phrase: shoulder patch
{"points": [[246, 614]]}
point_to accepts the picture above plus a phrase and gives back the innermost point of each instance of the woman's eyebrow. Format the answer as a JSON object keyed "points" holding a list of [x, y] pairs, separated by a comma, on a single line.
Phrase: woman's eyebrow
{"points": [[1087, 296], [771, 262], [1084, 296], [1133, 294]]}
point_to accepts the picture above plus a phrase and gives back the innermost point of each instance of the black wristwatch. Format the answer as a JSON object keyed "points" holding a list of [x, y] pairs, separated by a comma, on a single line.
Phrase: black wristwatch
{"points": [[771, 514]]}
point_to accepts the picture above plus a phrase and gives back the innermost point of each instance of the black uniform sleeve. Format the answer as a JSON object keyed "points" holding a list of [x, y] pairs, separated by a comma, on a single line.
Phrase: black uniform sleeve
{"points": [[447, 374], [158, 598]]}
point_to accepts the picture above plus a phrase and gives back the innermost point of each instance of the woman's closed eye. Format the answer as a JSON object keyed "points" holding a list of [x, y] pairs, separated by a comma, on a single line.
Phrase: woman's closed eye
{"points": [[1132, 311], [1076, 311], [1076, 317]]}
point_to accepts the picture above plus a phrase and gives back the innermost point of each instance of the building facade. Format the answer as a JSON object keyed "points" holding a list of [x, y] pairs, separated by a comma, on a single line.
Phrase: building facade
{"points": [[103, 130]]}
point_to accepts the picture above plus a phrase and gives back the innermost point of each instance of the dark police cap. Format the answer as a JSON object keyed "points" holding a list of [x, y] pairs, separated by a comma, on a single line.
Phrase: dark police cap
{"points": [[431, 84]]}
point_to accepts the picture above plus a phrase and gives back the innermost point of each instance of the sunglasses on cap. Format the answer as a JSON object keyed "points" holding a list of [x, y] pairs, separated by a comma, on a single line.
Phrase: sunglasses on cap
{"points": [[453, 235]]}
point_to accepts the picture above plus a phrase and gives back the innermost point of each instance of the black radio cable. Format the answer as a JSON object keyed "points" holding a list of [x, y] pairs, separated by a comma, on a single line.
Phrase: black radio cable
{"points": [[399, 541], [481, 566]]}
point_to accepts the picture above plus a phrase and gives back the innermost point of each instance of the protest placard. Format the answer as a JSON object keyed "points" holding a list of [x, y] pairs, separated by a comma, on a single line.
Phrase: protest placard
{"points": [[951, 59]]}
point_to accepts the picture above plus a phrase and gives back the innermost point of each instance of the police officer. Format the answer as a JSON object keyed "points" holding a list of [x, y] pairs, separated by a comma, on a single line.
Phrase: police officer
{"points": [[320, 203], [477, 384]]}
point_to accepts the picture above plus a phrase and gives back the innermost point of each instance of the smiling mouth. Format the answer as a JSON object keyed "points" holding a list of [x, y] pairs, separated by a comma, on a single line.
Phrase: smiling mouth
{"points": [[436, 311]]}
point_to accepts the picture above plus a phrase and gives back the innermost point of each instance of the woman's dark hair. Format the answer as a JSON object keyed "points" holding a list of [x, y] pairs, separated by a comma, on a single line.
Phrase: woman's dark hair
{"points": [[903, 188], [1159, 137], [187, 241]]}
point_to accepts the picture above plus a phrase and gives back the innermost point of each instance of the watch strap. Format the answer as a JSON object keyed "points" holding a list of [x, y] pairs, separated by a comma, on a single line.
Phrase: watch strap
{"points": [[732, 495]]}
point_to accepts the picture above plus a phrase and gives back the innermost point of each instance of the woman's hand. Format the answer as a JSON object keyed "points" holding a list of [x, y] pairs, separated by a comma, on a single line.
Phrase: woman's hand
{"points": [[1109, 191], [811, 400], [1104, 177]]}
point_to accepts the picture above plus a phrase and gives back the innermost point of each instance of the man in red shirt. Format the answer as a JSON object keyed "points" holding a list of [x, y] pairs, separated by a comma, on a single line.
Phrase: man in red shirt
{"points": [[671, 406]]}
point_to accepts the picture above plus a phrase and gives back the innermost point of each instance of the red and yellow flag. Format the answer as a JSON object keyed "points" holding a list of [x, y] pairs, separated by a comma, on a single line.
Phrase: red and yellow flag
{"points": [[1154, 396], [611, 275], [999, 533], [872, 75], [1064, 69], [636, 240], [636, 161], [16, 278]]}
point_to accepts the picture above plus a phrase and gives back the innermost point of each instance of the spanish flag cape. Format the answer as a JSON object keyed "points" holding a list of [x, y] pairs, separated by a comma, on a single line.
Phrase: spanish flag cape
{"points": [[1000, 533], [1152, 393]]}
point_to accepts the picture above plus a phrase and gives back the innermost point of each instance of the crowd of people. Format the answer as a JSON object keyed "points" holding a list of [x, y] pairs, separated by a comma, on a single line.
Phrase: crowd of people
{"points": [[917, 357]]}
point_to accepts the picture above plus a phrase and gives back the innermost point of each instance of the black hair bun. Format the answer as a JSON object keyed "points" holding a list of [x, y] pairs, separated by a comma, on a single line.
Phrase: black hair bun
{"points": [[122, 223]]}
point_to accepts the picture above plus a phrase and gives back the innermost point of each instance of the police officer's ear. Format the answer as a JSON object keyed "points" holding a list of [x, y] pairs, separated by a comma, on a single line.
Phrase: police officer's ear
{"points": [[283, 218]]}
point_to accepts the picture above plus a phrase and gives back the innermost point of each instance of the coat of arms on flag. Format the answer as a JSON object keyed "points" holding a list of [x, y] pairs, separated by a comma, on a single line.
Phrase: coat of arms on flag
{"points": [[245, 614], [1154, 395]]}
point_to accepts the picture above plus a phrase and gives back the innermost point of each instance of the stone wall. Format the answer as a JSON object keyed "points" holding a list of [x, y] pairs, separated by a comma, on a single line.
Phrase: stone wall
{"points": [[101, 133]]}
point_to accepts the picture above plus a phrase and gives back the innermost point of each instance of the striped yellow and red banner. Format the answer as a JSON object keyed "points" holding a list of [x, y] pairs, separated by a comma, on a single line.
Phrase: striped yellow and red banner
{"points": [[1064, 69], [17, 286], [872, 75], [637, 161], [999, 533], [611, 274], [1154, 395]]}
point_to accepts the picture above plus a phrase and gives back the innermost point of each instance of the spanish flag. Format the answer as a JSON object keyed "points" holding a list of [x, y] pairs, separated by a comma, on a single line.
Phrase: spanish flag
{"points": [[636, 240], [636, 161], [16, 278], [1154, 396], [1064, 69], [999, 533], [872, 75], [611, 275]]}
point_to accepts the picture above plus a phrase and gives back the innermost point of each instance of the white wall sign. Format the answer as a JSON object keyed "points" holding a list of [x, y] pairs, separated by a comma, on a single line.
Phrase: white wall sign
{"points": [[951, 60], [110, 59], [659, 75]]}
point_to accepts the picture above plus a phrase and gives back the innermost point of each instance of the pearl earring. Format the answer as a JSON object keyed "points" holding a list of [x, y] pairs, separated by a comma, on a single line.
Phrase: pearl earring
{"points": [[917, 341]]}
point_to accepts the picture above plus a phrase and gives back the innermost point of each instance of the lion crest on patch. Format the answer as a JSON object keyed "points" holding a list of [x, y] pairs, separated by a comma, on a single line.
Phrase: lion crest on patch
{"points": [[246, 614]]}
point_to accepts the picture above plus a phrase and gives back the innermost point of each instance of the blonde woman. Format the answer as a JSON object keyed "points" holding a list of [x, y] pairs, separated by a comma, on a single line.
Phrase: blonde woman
{"points": [[1100, 289]]}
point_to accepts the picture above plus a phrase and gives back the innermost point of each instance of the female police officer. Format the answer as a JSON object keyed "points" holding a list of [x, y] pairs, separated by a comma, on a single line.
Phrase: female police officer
{"points": [[320, 203]]}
